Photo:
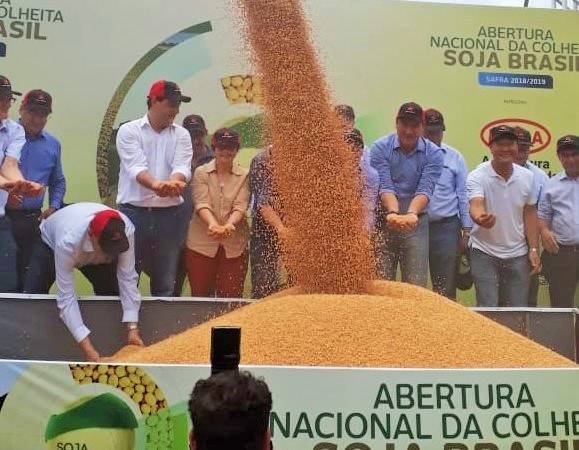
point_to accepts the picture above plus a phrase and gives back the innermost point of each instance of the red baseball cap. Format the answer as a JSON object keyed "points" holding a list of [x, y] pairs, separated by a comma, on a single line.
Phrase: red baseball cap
{"points": [[169, 90], [109, 228]]}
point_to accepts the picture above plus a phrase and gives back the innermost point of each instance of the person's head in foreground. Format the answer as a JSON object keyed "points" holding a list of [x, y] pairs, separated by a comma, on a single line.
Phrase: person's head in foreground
{"points": [[230, 411]]}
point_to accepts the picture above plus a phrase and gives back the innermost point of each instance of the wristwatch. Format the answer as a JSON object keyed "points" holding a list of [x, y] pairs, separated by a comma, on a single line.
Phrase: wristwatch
{"points": [[534, 249], [132, 326]]}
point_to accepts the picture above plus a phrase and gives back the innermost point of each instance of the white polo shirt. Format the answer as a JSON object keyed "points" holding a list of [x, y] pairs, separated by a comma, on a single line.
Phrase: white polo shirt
{"points": [[506, 201], [162, 154], [66, 233]]}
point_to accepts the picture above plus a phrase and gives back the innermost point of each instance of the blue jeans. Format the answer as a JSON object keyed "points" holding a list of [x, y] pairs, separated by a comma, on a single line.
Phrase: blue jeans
{"points": [[8, 255], [185, 213], [562, 273], [184, 219], [158, 243], [444, 236], [26, 232], [409, 248], [504, 279]]}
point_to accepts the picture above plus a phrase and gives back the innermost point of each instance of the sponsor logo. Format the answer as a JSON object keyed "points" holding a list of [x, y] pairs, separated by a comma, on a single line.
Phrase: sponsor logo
{"points": [[540, 135]]}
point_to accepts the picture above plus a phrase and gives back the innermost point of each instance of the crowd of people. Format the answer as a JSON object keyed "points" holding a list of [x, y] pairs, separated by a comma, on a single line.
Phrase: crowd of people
{"points": [[498, 214], [182, 211]]}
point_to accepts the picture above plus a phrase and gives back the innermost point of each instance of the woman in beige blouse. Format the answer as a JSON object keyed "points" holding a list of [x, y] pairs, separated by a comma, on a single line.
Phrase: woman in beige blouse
{"points": [[216, 255]]}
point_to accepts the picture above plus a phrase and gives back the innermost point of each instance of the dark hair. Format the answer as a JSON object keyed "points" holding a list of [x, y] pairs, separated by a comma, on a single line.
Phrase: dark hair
{"points": [[345, 111], [230, 411], [354, 138]]}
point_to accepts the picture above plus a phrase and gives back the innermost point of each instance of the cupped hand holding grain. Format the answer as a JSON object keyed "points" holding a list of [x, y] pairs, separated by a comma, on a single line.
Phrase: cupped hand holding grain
{"points": [[402, 222]]}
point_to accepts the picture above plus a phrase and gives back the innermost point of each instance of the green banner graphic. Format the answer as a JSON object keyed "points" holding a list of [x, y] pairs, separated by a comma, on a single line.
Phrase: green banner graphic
{"points": [[59, 406]]}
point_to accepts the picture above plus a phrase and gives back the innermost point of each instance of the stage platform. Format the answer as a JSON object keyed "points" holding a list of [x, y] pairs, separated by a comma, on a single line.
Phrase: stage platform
{"points": [[30, 328]]}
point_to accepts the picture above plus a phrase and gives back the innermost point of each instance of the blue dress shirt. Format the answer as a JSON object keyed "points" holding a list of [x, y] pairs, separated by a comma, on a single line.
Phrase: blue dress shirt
{"points": [[40, 161], [559, 205], [406, 174], [449, 198]]}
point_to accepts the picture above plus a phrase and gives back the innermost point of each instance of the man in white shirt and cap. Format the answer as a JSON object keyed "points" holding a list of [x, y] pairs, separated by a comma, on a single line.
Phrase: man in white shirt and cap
{"points": [[99, 241], [155, 167]]}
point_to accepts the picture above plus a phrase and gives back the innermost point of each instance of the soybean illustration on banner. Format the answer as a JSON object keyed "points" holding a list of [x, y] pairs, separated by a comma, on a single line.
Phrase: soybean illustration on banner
{"points": [[60, 406], [87, 406]]}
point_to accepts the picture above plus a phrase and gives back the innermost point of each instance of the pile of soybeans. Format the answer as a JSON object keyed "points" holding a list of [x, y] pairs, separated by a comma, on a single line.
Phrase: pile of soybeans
{"points": [[394, 325], [337, 317]]}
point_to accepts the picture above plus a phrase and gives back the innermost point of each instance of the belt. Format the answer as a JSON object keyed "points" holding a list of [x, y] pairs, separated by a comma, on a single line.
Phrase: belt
{"points": [[147, 208], [444, 219], [570, 247], [23, 212]]}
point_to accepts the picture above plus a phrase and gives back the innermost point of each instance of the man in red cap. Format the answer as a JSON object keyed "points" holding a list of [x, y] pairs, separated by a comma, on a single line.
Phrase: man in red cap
{"points": [[155, 156], [99, 241], [11, 182]]}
